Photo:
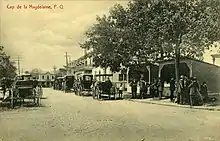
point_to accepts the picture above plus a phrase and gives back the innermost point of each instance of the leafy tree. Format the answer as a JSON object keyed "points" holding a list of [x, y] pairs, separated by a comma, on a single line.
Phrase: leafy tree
{"points": [[7, 68], [146, 31], [188, 27]]}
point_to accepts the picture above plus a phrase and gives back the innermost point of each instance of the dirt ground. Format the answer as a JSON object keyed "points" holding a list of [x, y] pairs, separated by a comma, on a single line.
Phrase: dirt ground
{"points": [[66, 117]]}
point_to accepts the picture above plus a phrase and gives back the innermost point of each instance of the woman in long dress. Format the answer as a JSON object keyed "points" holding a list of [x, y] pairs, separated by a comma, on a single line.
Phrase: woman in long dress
{"points": [[195, 96]]}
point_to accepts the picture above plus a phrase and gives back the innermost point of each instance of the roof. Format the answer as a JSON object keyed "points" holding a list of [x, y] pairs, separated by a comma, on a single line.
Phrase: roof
{"points": [[50, 73], [188, 58], [216, 55], [85, 56]]}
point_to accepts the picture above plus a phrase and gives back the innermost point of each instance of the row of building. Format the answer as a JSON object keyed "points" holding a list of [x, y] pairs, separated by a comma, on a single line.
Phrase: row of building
{"points": [[207, 72]]}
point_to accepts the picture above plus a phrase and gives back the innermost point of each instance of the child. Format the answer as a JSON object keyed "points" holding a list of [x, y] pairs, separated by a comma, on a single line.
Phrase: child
{"points": [[120, 91]]}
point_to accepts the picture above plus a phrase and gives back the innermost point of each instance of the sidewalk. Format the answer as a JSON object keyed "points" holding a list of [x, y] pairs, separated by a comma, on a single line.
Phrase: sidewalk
{"points": [[166, 102]]}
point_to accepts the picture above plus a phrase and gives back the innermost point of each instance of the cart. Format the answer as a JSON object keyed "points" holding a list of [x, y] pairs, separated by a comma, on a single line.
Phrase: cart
{"points": [[24, 89], [84, 86], [100, 91], [68, 83]]}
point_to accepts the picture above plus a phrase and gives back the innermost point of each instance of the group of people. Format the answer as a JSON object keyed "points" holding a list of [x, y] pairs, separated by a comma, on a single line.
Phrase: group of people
{"points": [[190, 92], [154, 89]]}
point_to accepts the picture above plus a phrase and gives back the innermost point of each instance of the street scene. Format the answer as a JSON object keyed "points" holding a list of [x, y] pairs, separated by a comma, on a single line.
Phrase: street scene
{"points": [[68, 117], [110, 70]]}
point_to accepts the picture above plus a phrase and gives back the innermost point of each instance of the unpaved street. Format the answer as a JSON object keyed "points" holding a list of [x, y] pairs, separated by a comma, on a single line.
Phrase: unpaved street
{"points": [[66, 117]]}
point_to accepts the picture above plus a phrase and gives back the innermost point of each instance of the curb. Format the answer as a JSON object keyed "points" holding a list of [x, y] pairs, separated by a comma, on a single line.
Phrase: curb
{"points": [[180, 106]]}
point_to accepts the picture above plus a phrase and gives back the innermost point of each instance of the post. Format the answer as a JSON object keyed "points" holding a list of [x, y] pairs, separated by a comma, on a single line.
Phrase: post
{"points": [[19, 72], [66, 56]]}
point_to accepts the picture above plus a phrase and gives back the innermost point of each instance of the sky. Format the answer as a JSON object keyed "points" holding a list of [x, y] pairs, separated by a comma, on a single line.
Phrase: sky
{"points": [[41, 37]]}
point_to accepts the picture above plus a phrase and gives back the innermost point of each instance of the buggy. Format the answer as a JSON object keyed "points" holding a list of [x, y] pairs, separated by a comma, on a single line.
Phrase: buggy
{"points": [[84, 86], [24, 89], [68, 83], [100, 91]]}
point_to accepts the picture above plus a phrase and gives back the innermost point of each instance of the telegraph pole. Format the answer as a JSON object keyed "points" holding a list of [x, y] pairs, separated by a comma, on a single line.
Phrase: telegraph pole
{"points": [[19, 71], [66, 56], [18, 60]]}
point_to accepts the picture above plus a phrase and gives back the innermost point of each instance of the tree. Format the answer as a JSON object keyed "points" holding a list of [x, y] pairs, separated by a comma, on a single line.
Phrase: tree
{"points": [[146, 31], [189, 27], [7, 68]]}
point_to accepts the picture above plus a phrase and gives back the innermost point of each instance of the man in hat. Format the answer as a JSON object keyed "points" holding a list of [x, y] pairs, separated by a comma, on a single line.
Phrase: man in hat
{"points": [[133, 85], [180, 90]]}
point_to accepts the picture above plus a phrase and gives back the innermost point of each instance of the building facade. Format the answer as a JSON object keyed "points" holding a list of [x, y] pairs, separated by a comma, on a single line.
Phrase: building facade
{"points": [[46, 79]]}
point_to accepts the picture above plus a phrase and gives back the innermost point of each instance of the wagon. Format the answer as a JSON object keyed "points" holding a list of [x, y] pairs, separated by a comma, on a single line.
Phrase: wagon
{"points": [[68, 83], [100, 91], [24, 89], [84, 87]]}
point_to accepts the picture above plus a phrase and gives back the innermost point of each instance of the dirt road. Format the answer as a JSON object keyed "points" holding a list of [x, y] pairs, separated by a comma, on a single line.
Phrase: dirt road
{"points": [[66, 117]]}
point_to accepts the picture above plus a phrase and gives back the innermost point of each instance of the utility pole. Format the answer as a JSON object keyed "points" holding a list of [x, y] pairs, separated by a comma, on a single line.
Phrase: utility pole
{"points": [[66, 56], [18, 60], [54, 69], [19, 71], [69, 59]]}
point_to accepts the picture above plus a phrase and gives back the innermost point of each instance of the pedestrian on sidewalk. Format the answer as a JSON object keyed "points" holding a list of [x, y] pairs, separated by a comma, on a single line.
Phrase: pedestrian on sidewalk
{"points": [[154, 88], [172, 89], [180, 90], [120, 91], [142, 88], [195, 96], [108, 85], [160, 88], [186, 91], [204, 92], [134, 88]]}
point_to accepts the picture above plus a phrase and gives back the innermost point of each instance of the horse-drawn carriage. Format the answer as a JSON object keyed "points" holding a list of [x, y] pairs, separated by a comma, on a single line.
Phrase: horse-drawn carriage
{"points": [[68, 82], [58, 83], [102, 90], [25, 89], [83, 86]]}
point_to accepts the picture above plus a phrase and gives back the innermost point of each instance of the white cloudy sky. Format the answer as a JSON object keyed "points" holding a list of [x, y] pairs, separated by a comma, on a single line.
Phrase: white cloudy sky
{"points": [[41, 37]]}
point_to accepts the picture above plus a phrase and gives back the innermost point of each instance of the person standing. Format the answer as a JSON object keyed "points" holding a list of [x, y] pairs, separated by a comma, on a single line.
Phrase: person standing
{"points": [[154, 88], [120, 90], [172, 89], [180, 90], [160, 88], [108, 86], [4, 90], [195, 98], [134, 88], [142, 88], [186, 90], [204, 91]]}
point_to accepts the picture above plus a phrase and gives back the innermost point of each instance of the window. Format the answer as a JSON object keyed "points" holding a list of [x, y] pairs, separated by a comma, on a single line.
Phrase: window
{"points": [[122, 77], [48, 77], [52, 77], [125, 77], [42, 76]]}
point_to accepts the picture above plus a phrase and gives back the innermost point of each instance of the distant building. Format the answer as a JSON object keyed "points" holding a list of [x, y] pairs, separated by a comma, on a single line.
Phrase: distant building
{"points": [[46, 79], [81, 66]]}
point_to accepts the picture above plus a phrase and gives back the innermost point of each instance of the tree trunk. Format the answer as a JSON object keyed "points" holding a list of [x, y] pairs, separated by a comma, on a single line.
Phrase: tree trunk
{"points": [[177, 65], [161, 53]]}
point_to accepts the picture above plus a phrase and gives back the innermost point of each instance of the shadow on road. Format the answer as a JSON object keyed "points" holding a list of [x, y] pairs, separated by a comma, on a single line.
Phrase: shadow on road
{"points": [[5, 106]]}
